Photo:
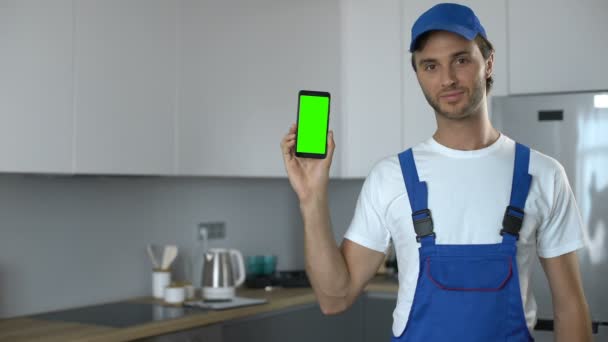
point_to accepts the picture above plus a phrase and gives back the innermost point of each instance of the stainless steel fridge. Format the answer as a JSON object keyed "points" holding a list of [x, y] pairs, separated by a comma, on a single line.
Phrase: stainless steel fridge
{"points": [[572, 128]]}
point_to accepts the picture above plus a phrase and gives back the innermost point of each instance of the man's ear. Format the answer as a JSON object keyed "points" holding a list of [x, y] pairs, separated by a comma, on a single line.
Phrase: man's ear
{"points": [[490, 65], [413, 61]]}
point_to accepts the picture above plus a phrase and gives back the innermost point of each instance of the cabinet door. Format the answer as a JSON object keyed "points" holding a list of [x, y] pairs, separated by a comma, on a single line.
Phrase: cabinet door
{"points": [[418, 116], [378, 316], [301, 324], [36, 86], [557, 45], [242, 65], [125, 72], [212, 333], [372, 61]]}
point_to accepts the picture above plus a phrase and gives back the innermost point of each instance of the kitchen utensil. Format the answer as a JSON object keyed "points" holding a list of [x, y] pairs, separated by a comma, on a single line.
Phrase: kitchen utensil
{"points": [[169, 255], [152, 255], [220, 274]]}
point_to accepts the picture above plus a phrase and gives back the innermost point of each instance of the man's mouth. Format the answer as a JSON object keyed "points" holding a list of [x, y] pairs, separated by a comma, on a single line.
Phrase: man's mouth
{"points": [[452, 96]]}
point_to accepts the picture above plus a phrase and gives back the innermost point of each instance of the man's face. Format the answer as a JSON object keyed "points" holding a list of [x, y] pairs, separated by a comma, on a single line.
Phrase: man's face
{"points": [[452, 74]]}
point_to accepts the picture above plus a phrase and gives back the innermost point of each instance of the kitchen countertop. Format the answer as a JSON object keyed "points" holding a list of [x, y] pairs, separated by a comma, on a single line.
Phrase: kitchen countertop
{"points": [[29, 329]]}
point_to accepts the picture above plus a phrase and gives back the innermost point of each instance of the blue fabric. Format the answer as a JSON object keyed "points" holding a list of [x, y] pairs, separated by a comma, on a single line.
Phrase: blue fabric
{"points": [[521, 178], [416, 190], [454, 18], [467, 292]]}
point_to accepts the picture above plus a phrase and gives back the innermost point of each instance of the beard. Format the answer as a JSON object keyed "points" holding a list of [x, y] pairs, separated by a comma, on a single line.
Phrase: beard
{"points": [[474, 100]]}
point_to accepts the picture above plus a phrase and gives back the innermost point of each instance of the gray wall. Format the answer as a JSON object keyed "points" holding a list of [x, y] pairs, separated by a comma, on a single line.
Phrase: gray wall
{"points": [[72, 241]]}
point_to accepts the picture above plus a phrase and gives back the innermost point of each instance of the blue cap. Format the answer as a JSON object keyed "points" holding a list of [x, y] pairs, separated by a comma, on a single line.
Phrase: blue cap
{"points": [[454, 18]]}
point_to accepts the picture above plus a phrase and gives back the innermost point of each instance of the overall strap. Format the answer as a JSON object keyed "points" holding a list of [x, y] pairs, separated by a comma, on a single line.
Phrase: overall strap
{"points": [[514, 214], [418, 196]]}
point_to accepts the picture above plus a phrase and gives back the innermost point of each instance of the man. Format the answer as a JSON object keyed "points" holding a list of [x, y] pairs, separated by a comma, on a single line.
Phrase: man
{"points": [[466, 210]]}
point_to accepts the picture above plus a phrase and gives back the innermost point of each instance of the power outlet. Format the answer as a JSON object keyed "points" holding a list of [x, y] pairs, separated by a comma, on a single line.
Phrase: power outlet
{"points": [[215, 230]]}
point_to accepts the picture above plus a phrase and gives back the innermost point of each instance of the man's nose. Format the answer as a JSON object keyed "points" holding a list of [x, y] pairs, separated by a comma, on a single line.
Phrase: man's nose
{"points": [[448, 77]]}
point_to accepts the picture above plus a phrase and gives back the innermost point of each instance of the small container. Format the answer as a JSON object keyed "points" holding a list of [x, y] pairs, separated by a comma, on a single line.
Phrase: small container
{"points": [[175, 294], [160, 280], [270, 264], [255, 265], [189, 291], [261, 265]]}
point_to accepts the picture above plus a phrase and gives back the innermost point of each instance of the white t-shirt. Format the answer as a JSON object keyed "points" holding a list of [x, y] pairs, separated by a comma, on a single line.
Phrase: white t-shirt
{"points": [[468, 192]]}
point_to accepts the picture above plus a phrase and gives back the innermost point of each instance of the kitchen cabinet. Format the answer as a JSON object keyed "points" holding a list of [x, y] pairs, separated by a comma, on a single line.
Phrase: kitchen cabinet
{"points": [[557, 45], [418, 122], [242, 64], [211, 333], [125, 86], [304, 323], [208, 88], [372, 62], [36, 86], [368, 320], [378, 316]]}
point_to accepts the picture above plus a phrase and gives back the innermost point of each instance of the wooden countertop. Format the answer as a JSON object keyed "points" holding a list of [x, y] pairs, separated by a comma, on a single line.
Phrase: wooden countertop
{"points": [[24, 329]]}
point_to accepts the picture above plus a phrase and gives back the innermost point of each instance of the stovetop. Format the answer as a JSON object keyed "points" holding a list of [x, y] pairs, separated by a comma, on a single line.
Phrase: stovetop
{"points": [[119, 315], [296, 278]]}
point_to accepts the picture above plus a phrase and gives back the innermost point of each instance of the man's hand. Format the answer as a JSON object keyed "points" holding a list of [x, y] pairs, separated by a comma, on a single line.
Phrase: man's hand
{"points": [[308, 177]]}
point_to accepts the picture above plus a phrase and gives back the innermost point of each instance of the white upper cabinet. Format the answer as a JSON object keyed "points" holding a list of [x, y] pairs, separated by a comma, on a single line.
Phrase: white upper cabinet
{"points": [[125, 89], [372, 61], [558, 45], [36, 86], [242, 64], [418, 117]]}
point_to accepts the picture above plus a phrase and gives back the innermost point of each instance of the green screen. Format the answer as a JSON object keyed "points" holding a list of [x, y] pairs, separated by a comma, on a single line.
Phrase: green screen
{"points": [[312, 124]]}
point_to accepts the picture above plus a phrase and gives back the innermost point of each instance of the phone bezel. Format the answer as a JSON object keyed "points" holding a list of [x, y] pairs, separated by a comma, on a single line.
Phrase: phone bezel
{"points": [[319, 94]]}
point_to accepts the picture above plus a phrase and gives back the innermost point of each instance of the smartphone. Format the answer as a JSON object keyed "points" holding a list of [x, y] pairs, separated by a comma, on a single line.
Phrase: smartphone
{"points": [[313, 124]]}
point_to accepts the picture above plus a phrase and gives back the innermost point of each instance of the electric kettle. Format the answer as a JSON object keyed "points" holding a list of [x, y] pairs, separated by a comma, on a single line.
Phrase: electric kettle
{"points": [[223, 271]]}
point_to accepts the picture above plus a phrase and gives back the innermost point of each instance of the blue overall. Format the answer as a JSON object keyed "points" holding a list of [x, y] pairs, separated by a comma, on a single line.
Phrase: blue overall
{"points": [[467, 292]]}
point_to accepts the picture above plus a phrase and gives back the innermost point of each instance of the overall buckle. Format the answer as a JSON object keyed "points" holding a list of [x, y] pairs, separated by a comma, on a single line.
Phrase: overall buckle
{"points": [[423, 226], [512, 221]]}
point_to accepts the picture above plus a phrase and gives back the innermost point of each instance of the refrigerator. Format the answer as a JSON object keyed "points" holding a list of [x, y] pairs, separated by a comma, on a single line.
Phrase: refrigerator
{"points": [[572, 128]]}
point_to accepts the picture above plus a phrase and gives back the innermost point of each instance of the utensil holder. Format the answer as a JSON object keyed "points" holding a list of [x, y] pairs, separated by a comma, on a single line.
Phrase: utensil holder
{"points": [[160, 280]]}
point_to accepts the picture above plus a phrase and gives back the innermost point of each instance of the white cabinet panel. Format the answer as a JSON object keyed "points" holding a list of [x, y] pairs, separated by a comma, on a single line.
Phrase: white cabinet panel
{"points": [[418, 116], [242, 64], [492, 15], [557, 45], [125, 71], [372, 61], [36, 86]]}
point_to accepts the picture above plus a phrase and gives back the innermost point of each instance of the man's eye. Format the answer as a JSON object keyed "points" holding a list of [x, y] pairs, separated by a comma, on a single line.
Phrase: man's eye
{"points": [[461, 60], [429, 67]]}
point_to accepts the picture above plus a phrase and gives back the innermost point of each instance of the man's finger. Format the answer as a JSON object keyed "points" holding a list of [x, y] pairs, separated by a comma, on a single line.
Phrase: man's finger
{"points": [[287, 145], [331, 145]]}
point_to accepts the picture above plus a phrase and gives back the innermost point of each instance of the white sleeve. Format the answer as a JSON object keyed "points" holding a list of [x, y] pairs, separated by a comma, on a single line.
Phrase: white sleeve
{"points": [[561, 232], [367, 227]]}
